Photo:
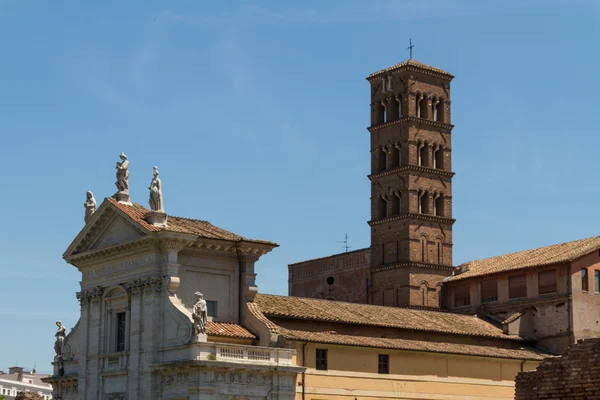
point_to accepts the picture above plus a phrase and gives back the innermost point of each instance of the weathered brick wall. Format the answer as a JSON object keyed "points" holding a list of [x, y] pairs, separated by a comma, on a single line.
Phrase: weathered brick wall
{"points": [[573, 376]]}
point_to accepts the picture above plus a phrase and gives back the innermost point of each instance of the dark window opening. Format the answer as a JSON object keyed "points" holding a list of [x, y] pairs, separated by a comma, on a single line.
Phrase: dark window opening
{"points": [[121, 326], [424, 204], [382, 208], [547, 281], [396, 204], [383, 364], [382, 160], [439, 206], [489, 291], [330, 280], [517, 286], [597, 281], [422, 161], [422, 108], [321, 363], [584, 279], [462, 295], [211, 308], [379, 117], [438, 159]]}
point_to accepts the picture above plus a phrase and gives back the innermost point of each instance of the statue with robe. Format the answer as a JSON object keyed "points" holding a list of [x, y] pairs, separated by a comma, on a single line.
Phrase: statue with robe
{"points": [[90, 206], [123, 174], [199, 314], [156, 199], [61, 334]]}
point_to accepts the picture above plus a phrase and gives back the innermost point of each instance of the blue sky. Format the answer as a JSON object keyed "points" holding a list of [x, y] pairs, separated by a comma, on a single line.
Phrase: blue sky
{"points": [[256, 114]]}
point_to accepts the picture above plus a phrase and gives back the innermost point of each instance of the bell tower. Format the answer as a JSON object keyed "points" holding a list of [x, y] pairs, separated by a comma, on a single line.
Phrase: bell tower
{"points": [[411, 184]]}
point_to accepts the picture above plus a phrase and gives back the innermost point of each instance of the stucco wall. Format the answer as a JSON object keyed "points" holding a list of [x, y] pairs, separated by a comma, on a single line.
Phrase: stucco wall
{"points": [[586, 304]]}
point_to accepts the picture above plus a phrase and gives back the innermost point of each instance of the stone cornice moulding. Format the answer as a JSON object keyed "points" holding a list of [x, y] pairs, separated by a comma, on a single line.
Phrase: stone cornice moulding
{"points": [[433, 171], [82, 260], [411, 265], [422, 217], [414, 120], [409, 68]]}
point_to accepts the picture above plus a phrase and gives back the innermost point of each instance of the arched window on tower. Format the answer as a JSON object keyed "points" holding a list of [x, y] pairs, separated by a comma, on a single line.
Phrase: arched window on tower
{"points": [[382, 155], [379, 114], [439, 111], [386, 115], [394, 156], [383, 206], [438, 158], [399, 105], [423, 241], [422, 107], [424, 203], [398, 151], [439, 206], [396, 203], [422, 156]]}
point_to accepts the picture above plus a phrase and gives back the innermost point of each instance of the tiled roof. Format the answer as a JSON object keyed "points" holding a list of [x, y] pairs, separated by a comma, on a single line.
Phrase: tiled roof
{"points": [[196, 227], [411, 63], [371, 315], [414, 345], [547, 255], [366, 249], [228, 330]]}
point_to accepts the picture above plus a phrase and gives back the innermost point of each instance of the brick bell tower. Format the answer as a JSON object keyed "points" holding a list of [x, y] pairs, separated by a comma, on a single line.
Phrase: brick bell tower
{"points": [[411, 184]]}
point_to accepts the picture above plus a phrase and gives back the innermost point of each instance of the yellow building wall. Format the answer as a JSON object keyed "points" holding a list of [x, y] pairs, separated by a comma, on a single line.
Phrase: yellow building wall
{"points": [[352, 373]]}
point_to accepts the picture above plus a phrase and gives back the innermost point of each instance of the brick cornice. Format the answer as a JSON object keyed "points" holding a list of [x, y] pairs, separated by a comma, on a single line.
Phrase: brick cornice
{"points": [[420, 121], [422, 217], [416, 168], [410, 264]]}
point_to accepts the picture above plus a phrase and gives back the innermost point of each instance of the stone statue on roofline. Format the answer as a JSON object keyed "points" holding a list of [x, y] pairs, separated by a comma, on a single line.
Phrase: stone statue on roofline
{"points": [[61, 334], [157, 215], [122, 182], [200, 316], [156, 199], [90, 206]]}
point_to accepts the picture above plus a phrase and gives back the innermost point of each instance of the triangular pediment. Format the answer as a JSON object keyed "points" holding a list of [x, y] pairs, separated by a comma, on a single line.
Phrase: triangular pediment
{"points": [[108, 227]]}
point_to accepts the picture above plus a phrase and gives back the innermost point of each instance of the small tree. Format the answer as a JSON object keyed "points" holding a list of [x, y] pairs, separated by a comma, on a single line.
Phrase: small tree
{"points": [[2, 397], [28, 396]]}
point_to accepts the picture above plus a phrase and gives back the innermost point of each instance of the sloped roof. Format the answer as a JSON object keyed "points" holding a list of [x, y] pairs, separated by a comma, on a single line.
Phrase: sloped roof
{"points": [[414, 345], [411, 63], [196, 227], [228, 330], [371, 315], [562, 252]]}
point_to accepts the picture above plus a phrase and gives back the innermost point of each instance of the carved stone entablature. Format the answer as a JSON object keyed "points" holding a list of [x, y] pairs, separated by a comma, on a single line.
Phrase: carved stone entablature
{"points": [[411, 265], [174, 378], [85, 295], [173, 243], [417, 168], [87, 258], [147, 284], [63, 386]]}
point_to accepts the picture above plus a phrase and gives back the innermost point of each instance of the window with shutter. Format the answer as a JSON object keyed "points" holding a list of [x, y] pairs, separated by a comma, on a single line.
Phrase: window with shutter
{"points": [[489, 291], [547, 281], [462, 295], [584, 279], [517, 286]]}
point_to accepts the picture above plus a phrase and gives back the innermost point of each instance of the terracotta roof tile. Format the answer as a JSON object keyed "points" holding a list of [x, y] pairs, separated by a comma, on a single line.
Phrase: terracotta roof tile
{"points": [[228, 330], [562, 252], [414, 345], [364, 314], [411, 63], [196, 227]]}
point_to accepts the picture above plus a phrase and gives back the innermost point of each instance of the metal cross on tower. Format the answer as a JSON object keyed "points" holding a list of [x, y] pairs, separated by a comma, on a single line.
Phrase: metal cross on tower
{"points": [[410, 47], [345, 242]]}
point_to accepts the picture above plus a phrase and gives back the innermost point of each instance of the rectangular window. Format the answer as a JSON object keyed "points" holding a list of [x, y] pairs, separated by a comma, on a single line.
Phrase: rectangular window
{"points": [[584, 279], [547, 281], [462, 295], [517, 286], [211, 308], [322, 359], [120, 334], [597, 281], [383, 365], [489, 291]]}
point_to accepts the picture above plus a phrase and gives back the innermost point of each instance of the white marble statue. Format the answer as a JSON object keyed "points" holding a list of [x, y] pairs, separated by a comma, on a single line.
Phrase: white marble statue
{"points": [[123, 174], [90, 206], [200, 314], [61, 333], [156, 199]]}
